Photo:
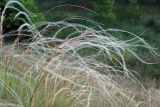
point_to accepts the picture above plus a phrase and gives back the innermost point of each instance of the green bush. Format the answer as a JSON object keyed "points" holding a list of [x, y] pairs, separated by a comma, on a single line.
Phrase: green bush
{"points": [[104, 8], [132, 10]]}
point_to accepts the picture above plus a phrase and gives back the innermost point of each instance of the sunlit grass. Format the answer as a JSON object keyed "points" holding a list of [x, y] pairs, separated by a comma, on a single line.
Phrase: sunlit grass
{"points": [[52, 71]]}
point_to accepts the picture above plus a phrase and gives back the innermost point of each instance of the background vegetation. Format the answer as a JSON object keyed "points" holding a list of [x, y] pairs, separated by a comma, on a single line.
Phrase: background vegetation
{"points": [[141, 17]]}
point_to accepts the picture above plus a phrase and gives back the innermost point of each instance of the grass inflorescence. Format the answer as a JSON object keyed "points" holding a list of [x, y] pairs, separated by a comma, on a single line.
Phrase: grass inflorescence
{"points": [[87, 67]]}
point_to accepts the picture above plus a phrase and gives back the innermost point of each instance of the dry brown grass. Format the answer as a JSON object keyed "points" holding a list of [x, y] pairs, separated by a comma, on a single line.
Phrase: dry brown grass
{"points": [[52, 72]]}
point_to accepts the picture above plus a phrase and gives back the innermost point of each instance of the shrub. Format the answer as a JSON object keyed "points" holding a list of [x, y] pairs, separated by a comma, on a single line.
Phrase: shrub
{"points": [[104, 8]]}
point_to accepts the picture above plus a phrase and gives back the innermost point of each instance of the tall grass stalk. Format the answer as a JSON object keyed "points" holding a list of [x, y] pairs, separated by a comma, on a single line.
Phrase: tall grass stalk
{"points": [[84, 67]]}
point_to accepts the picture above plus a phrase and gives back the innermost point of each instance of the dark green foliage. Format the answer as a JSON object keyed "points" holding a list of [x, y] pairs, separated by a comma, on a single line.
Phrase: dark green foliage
{"points": [[33, 7], [105, 8], [132, 9], [150, 2], [10, 24]]}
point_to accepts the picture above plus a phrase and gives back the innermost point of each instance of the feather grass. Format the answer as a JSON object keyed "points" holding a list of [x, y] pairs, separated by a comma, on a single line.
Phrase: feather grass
{"points": [[81, 75]]}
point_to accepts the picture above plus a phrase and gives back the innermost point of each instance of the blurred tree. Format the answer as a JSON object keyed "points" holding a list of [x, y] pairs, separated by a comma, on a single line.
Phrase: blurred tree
{"points": [[127, 9], [133, 9], [105, 8], [84, 3], [150, 2]]}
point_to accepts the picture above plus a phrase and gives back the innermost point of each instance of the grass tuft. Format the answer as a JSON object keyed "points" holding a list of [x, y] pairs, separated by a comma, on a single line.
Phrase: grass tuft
{"points": [[85, 68]]}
